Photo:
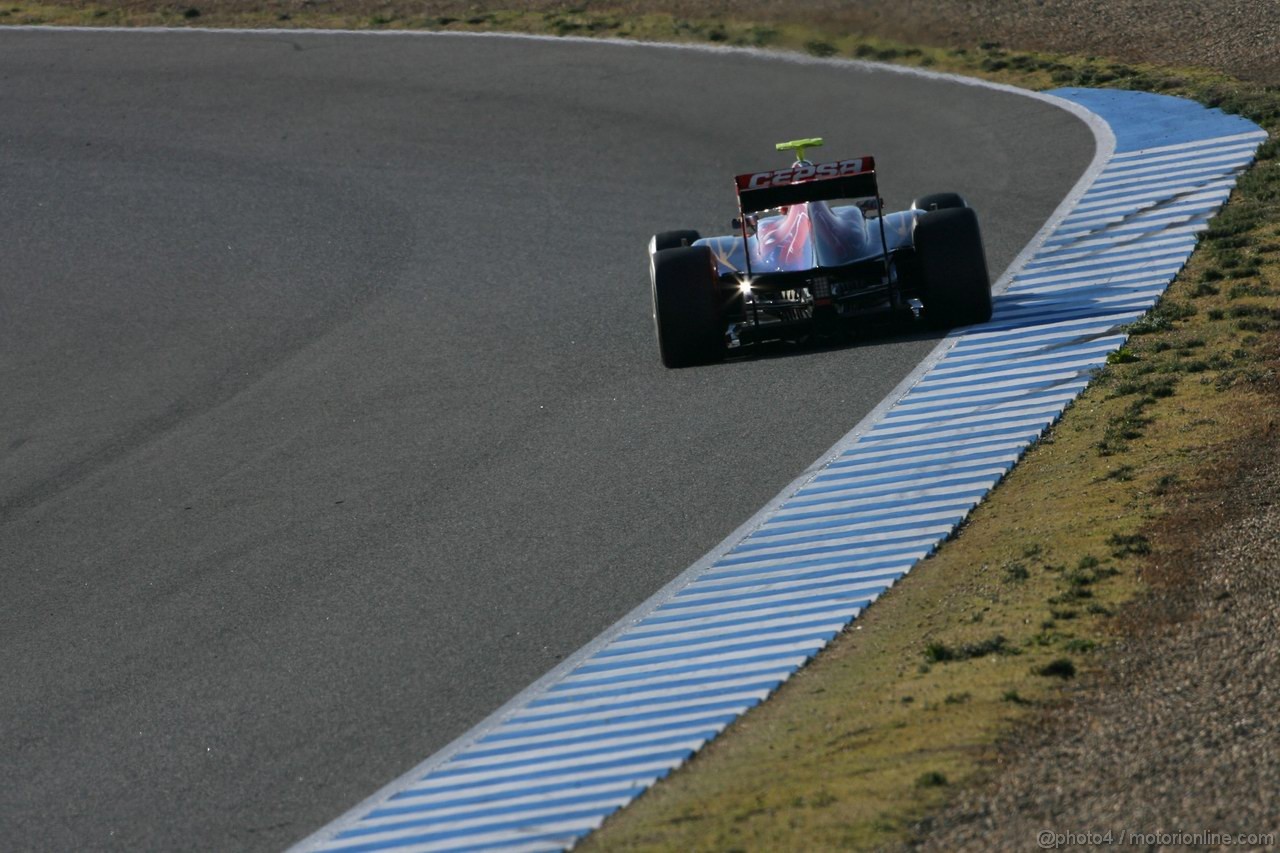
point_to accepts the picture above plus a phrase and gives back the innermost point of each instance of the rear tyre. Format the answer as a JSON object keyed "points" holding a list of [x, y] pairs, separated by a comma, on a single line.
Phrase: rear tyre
{"points": [[673, 240], [686, 310], [939, 201], [955, 287]]}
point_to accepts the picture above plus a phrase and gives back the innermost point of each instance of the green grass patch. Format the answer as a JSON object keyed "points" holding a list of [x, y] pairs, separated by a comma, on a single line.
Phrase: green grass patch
{"points": [[940, 652]]}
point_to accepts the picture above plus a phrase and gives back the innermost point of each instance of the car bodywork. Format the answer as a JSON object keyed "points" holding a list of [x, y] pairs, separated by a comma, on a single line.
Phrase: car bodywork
{"points": [[816, 252], [802, 259]]}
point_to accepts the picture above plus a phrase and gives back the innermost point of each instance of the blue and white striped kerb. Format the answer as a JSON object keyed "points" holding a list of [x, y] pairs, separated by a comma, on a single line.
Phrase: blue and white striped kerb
{"points": [[589, 742]]}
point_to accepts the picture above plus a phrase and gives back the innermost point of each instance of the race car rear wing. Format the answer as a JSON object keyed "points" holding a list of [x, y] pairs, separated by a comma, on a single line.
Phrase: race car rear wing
{"points": [[855, 178]]}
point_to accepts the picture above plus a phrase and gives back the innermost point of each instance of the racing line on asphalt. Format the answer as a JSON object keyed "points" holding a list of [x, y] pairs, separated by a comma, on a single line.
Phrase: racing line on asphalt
{"points": [[583, 742]]}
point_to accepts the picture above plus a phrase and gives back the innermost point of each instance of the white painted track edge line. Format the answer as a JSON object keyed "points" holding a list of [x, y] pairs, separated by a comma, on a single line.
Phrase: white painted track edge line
{"points": [[1105, 146]]}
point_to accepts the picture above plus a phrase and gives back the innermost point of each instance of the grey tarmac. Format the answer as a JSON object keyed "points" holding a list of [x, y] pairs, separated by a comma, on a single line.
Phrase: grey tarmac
{"points": [[332, 415]]}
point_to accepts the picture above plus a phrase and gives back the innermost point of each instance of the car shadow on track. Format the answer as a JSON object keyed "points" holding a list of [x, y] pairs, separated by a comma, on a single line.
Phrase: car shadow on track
{"points": [[895, 331]]}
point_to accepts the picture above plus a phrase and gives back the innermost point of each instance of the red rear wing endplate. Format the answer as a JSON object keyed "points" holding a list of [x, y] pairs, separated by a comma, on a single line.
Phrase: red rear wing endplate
{"points": [[854, 178]]}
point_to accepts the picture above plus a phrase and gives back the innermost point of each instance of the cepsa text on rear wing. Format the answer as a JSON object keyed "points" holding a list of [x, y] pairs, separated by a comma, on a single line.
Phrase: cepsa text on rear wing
{"points": [[853, 178]]}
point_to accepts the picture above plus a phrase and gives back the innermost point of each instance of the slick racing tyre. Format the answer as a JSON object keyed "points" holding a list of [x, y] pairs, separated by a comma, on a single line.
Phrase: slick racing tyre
{"points": [[686, 311], [673, 240], [939, 201], [956, 289]]}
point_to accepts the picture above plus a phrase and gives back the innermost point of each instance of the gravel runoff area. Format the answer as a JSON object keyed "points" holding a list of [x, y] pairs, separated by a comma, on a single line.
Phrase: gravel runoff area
{"points": [[1240, 37], [1179, 733]]}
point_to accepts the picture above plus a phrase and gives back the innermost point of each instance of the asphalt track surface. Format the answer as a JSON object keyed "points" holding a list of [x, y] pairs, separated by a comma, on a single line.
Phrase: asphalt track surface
{"points": [[331, 412]]}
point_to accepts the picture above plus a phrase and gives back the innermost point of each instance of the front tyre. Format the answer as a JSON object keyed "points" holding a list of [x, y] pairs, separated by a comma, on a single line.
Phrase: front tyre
{"points": [[955, 287], [686, 310]]}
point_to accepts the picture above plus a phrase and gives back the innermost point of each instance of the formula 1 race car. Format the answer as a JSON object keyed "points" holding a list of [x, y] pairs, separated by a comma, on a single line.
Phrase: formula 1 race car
{"points": [[814, 255]]}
